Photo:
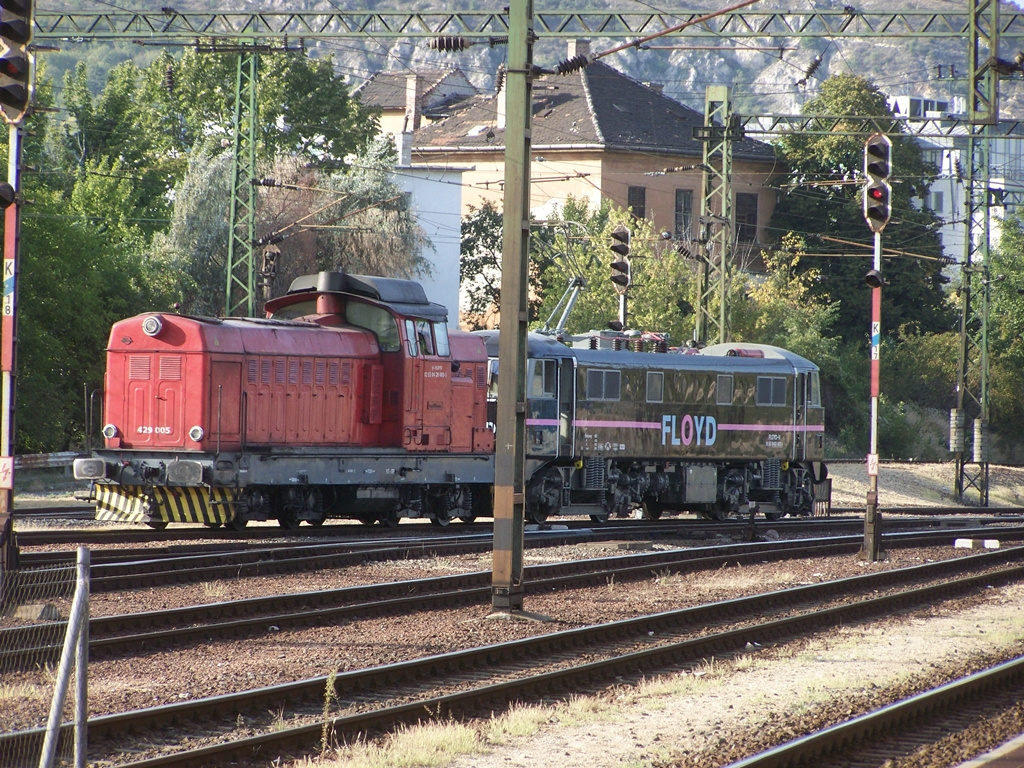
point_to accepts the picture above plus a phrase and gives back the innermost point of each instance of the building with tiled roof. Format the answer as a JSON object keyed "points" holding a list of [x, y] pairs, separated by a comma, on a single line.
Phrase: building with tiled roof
{"points": [[405, 97], [595, 134]]}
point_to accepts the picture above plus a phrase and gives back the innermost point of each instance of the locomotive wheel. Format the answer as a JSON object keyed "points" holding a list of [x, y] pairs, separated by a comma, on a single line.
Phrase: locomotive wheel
{"points": [[212, 525], [390, 519], [157, 525], [317, 521], [773, 516], [716, 511], [288, 521], [236, 525], [466, 518], [651, 510], [440, 520], [600, 519], [368, 520], [544, 496]]}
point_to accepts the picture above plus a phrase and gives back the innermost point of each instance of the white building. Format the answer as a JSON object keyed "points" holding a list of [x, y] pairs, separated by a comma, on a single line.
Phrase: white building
{"points": [[948, 194], [435, 196]]}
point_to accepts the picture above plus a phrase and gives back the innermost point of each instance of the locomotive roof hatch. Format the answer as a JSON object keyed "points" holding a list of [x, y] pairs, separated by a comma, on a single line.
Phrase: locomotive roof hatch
{"points": [[406, 297], [764, 351]]}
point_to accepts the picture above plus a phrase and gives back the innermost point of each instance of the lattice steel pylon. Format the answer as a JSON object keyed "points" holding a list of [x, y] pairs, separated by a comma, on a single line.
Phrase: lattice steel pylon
{"points": [[972, 396], [717, 223], [241, 269]]}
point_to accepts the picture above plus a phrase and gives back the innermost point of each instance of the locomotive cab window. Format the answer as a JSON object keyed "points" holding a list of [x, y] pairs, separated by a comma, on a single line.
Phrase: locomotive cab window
{"points": [[771, 390], [603, 385], [424, 337], [378, 321], [655, 387], [298, 309], [543, 383], [815, 391], [723, 391], [441, 339]]}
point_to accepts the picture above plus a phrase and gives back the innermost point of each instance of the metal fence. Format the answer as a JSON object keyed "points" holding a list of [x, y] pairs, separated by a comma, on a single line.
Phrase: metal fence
{"points": [[44, 641]]}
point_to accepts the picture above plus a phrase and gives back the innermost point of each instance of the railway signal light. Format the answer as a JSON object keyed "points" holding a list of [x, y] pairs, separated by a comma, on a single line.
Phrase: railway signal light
{"points": [[15, 64], [877, 191], [620, 267]]}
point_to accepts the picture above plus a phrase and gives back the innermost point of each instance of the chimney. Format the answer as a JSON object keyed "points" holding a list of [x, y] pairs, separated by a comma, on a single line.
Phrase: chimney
{"points": [[403, 143], [579, 48], [412, 102]]}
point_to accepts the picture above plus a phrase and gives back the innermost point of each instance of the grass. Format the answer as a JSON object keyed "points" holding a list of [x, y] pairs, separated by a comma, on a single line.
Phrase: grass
{"points": [[215, 590], [437, 744], [23, 692]]}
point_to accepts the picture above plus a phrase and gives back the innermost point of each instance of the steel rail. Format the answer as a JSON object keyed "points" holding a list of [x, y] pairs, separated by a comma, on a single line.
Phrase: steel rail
{"points": [[148, 630], [863, 732], [620, 640]]}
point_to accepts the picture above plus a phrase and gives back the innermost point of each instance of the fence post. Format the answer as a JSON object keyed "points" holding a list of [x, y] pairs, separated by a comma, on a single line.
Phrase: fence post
{"points": [[78, 619]]}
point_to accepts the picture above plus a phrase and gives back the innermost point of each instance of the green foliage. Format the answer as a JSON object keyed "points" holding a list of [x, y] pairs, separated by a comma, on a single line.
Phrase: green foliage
{"points": [[480, 263], [194, 249], [921, 368], [822, 206], [787, 312], [663, 289], [367, 226], [72, 287]]}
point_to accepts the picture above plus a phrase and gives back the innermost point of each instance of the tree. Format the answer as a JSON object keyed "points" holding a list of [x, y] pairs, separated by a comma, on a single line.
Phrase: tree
{"points": [[787, 313], [357, 221], [72, 288], [480, 264], [663, 280], [822, 206], [366, 224], [194, 249]]}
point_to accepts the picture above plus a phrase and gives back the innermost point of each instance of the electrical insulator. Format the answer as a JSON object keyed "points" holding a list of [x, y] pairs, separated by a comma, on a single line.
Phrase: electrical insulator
{"points": [[574, 64], [449, 43]]}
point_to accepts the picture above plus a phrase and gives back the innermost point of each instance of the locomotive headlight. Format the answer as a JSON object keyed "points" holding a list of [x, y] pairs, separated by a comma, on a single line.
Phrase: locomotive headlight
{"points": [[109, 431], [153, 325], [196, 434]]}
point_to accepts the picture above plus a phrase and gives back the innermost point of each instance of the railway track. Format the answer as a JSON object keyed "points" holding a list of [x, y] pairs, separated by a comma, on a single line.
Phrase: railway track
{"points": [[483, 679], [122, 569], [913, 725], [128, 634], [143, 535]]}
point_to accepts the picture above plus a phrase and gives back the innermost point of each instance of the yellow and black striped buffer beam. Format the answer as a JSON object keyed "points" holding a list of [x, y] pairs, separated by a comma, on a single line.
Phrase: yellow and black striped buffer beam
{"points": [[174, 505]]}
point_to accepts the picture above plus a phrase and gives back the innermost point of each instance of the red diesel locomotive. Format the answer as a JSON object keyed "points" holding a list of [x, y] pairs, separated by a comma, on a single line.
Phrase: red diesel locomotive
{"points": [[351, 399]]}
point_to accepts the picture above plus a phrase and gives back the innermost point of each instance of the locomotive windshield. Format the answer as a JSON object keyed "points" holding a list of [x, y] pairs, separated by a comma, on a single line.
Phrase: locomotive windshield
{"points": [[427, 337], [296, 310], [375, 319]]}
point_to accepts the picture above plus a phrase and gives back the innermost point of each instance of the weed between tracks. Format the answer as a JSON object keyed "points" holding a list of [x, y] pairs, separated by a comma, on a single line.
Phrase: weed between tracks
{"points": [[437, 744]]}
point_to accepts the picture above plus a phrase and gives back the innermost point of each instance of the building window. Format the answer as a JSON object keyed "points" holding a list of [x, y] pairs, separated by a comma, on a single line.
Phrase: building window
{"points": [[636, 201], [746, 217], [935, 201], [684, 214]]}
